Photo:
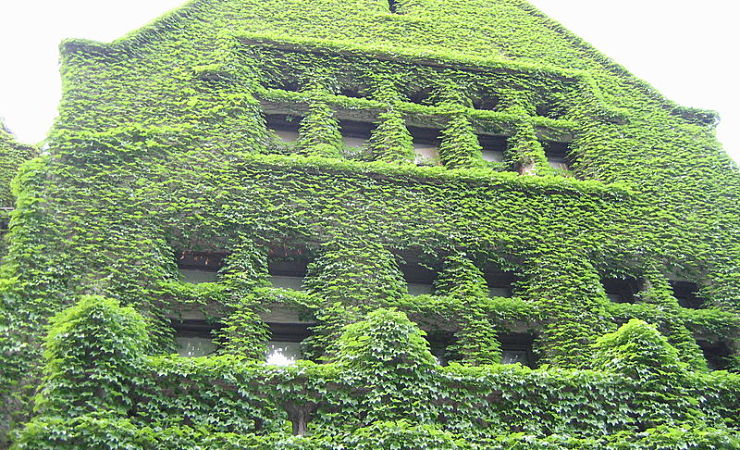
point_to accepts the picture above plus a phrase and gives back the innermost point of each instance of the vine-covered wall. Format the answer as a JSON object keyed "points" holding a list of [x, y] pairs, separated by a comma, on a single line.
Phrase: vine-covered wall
{"points": [[163, 146], [12, 155]]}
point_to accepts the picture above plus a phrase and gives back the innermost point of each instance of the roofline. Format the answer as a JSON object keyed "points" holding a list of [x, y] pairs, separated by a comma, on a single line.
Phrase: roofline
{"points": [[136, 38]]}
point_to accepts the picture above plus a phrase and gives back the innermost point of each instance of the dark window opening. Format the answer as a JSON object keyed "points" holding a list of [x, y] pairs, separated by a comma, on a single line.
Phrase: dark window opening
{"points": [[287, 273], [419, 279], [426, 145], [200, 267], [557, 154], [549, 110], [493, 147], [354, 92], [194, 337], [499, 283], [420, 96], [685, 292], [355, 134], [440, 344], [621, 290], [285, 85], [517, 348], [486, 103], [286, 127], [716, 353], [284, 346]]}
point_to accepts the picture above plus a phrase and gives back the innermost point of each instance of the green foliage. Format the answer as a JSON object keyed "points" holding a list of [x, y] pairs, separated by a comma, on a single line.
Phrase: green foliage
{"points": [[461, 278], [386, 355], [161, 147], [384, 388], [93, 352], [460, 148], [402, 435], [244, 333], [391, 141], [12, 155], [637, 350], [355, 273], [526, 150], [319, 133], [245, 268]]}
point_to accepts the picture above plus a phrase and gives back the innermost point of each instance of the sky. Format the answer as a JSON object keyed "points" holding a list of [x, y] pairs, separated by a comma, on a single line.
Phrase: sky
{"points": [[684, 48]]}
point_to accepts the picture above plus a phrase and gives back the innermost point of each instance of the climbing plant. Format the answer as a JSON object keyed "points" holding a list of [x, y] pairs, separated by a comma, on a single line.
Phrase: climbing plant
{"points": [[163, 147]]}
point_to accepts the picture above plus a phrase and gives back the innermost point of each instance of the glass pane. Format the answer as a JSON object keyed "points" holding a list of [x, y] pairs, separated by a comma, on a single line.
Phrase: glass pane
{"points": [[194, 346], [354, 142], [198, 276], [419, 289], [499, 292], [514, 356], [557, 163], [283, 282], [426, 152], [287, 135], [281, 353], [493, 155]]}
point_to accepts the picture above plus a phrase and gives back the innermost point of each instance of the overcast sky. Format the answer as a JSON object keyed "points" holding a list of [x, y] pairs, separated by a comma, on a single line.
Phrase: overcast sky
{"points": [[686, 49]]}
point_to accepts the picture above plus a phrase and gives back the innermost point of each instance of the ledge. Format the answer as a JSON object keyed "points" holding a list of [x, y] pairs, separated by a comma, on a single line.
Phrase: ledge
{"points": [[436, 175]]}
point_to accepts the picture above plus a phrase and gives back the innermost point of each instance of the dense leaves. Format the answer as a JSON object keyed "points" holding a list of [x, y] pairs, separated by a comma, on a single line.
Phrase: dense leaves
{"points": [[161, 147], [385, 390]]}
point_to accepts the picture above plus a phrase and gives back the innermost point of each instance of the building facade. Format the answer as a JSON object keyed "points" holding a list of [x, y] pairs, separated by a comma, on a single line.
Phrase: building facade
{"points": [[369, 224]]}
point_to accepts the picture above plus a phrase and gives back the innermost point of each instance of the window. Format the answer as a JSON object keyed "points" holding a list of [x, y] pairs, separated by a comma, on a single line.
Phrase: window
{"points": [[685, 293], [194, 337], [288, 274], [355, 134], [352, 91], [200, 267], [487, 103], [284, 126], [549, 110], [517, 348], [439, 344], [493, 147], [420, 96], [198, 276], [621, 290], [285, 85], [557, 154], [426, 145], [716, 354], [499, 283], [419, 279], [284, 346]]}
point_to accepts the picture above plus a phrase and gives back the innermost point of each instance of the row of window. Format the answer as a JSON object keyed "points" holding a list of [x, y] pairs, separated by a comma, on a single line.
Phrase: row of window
{"points": [[287, 270], [425, 97], [200, 267], [625, 291], [194, 338], [426, 141], [196, 268]]}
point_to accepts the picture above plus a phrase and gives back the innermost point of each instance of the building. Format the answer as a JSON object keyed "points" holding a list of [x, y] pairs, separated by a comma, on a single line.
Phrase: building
{"points": [[248, 180]]}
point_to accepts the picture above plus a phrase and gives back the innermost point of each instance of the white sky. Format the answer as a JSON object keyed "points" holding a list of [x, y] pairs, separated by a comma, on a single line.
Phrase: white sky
{"points": [[685, 48]]}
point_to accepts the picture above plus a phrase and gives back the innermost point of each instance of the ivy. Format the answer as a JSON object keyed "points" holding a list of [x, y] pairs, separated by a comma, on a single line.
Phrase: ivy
{"points": [[162, 147]]}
